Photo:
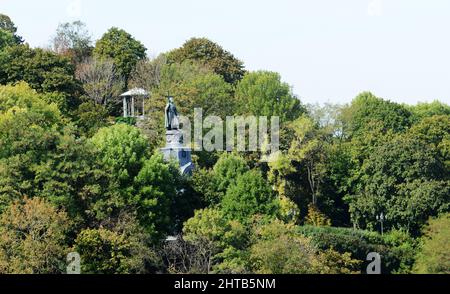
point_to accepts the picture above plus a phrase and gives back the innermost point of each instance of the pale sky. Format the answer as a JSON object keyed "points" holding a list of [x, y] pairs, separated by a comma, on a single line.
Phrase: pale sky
{"points": [[328, 50]]}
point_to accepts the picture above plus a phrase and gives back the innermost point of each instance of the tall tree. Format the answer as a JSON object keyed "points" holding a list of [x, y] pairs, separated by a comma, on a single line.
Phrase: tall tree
{"points": [[122, 48], [404, 179], [308, 149], [101, 82], [367, 110], [262, 93], [147, 73], [123, 149], [44, 71], [212, 55], [73, 40], [6, 24]]}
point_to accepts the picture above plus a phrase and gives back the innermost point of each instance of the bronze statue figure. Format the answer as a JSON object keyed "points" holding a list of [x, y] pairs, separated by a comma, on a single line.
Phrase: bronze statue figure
{"points": [[171, 121]]}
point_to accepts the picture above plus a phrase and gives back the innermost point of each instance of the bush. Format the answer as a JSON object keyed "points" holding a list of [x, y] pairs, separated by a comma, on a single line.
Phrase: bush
{"points": [[395, 251], [434, 256]]}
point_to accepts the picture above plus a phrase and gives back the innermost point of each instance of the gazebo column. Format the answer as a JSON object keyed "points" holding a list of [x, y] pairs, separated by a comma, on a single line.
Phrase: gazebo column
{"points": [[132, 106], [143, 106], [125, 106]]}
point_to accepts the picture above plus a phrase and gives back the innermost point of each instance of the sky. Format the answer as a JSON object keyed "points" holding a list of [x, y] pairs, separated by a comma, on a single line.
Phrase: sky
{"points": [[327, 50]]}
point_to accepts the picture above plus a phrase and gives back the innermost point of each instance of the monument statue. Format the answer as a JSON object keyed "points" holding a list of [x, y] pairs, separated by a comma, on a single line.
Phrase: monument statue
{"points": [[172, 122], [175, 148]]}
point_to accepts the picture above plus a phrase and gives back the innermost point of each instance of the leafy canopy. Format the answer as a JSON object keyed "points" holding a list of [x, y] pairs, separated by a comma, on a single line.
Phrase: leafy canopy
{"points": [[122, 48], [212, 55]]}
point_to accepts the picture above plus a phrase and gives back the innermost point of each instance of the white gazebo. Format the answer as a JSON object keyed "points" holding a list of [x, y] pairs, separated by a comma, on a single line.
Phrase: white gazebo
{"points": [[134, 103]]}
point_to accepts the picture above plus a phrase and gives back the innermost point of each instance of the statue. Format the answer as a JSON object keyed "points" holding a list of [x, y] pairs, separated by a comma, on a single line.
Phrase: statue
{"points": [[171, 121], [175, 148]]}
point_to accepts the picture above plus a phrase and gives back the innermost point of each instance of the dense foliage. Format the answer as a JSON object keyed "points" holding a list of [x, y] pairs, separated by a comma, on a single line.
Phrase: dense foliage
{"points": [[75, 176]]}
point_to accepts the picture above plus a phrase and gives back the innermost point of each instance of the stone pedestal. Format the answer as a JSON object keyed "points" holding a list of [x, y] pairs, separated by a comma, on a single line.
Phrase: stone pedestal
{"points": [[174, 150]]}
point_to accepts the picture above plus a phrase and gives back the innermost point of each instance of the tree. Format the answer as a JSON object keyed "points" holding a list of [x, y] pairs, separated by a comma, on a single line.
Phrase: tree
{"points": [[90, 117], [40, 156], [72, 177], [308, 149], [210, 230], [6, 39], [7, 25], [212, 55], [122, 48], [101, 82], [227, 170], [332, 262], [20, 109], [262, 93], [250, 195], [315, 217], [433, 257], [279, 250], [29, 130], [195, 86], [147, 73], [367, 109], [73, 40], [32, 238], [394, 179], [435, 130], [424, 110], [156, 188], [44, 71], [141, 183], [280, 166], [123, 149], [121, 249]]}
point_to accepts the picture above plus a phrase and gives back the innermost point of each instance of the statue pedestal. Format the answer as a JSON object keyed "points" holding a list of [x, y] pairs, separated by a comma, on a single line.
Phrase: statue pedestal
{"points": [[174, 150]]}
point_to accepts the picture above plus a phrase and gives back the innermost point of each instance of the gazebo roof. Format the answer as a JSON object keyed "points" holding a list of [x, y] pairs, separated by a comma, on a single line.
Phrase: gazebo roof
{"points": [[135, 92]]}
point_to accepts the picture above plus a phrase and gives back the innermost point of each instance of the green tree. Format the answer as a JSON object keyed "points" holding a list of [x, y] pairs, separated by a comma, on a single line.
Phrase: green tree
{"points": [[262, 93], [90, 117], [123, 149], [44, 71], [367, 109], [335, 263], [424, 110], [223, 239], [315, 217], [250, 195], [122, 48], [40, 156], [32, 238], [156, 189], [28, 123], [433, 257], [308, 149], [227, 170], [212, 55], [195, 86], [71, 176], [278, 249], [6, 39], [122, 249], [6, 24], [435, 130], [394, 179]]}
